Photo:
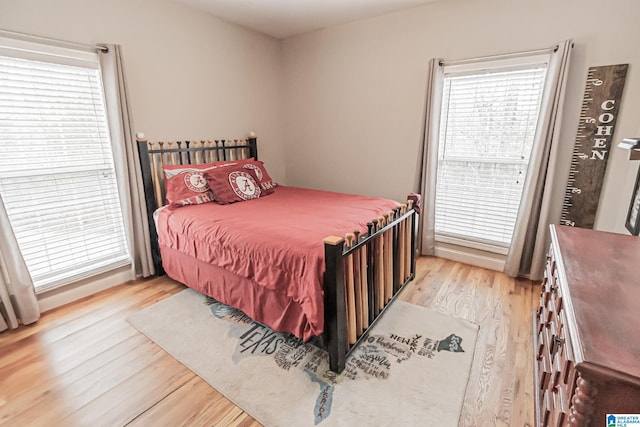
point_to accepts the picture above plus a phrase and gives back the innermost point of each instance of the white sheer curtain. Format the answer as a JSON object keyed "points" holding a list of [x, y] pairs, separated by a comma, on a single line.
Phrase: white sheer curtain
{"points": [[18, 303], [126, 160], [427, 167], [531, 235]]}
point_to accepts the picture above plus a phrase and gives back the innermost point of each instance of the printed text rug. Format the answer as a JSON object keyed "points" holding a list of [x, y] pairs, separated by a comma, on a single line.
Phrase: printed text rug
{"points": [[412, 370]]}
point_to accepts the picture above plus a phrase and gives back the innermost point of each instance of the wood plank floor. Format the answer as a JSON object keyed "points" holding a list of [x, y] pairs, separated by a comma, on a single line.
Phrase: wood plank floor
{"points": [[84, 365]]}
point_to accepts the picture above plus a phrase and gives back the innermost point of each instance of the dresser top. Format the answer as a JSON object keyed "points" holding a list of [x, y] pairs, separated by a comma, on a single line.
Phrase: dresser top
{"points": [[603, 280]]}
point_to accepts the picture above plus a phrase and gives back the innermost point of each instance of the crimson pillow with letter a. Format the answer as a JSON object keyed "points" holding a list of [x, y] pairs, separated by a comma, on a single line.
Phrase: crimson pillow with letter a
{"points": [[233, 184], [266, 182], [185, 184]]}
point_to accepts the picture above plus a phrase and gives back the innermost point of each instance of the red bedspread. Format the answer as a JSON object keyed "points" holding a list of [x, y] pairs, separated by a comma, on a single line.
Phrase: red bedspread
{"points": [[272, 245]]}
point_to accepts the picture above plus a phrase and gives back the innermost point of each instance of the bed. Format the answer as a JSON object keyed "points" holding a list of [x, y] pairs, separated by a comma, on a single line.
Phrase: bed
{"points": [[319, 265]]}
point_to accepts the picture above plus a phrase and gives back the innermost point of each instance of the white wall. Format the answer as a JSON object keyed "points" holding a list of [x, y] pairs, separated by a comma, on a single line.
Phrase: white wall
{"points": [[190, 75], [354, 94]]}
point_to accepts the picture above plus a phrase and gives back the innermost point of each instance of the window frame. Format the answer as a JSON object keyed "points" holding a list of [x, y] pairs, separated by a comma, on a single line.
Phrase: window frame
{"points": [[471, 67], [42, 52]]}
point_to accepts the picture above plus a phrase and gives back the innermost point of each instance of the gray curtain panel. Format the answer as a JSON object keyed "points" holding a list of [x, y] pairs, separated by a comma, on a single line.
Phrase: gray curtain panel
{"points": [[127, 162], [17, 295], [427, 165], [531, 238]]}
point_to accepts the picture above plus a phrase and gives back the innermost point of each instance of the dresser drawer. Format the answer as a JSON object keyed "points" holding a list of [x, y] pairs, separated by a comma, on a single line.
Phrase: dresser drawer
{"points": [[560, 411], [566, 359], [545, 409]]}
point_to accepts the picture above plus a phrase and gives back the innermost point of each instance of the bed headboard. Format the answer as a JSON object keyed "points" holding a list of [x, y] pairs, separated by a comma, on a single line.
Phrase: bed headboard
{"points": [[154, 155]]}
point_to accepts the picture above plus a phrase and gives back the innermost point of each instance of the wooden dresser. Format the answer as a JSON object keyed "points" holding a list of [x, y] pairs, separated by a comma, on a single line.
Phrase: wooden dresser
{"points": [[587, 329]]}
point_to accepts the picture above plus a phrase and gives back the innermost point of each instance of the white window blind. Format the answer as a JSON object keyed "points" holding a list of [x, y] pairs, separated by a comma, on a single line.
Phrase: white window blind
{"points": [[487, 126], [57, 177]]}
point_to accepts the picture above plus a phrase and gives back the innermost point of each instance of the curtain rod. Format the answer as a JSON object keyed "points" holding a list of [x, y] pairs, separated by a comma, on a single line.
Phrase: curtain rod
{"points": [[502, 56], [57, 42]]}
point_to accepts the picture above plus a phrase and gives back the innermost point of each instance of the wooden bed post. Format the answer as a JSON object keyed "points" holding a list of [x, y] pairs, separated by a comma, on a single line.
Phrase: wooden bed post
{"points": [[335, 312], [413, 240], [371, 277], [396, 253], [253, 147], [147, 181]]}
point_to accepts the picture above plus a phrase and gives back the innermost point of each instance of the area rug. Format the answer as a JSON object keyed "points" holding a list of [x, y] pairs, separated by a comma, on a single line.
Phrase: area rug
{"points": [[412, 369]]}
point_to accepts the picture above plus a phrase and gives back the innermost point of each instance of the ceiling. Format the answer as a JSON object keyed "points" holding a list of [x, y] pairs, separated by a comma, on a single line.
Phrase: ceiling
{"points": [[286, 18]]}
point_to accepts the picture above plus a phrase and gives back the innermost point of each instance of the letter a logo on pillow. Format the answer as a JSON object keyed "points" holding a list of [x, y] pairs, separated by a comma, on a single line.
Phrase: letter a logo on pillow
{"points": [[195, 182], [244, 185], [255, 170]]}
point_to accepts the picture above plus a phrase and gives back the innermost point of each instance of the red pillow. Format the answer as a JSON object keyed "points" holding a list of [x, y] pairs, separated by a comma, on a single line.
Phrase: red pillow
{"points": [[266, 183], [233, 184], [185, 184]]}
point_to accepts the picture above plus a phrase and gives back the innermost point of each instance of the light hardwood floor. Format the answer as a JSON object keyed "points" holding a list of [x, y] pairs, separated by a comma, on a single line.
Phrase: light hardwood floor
{"points": [[84, 365]]}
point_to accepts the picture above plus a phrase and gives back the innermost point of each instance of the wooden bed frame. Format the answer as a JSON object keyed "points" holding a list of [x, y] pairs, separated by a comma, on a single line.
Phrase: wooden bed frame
{"points": [[363, 273]]}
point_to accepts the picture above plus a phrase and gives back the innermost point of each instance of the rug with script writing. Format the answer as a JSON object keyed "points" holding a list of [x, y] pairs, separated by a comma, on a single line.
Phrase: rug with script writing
{"points": [[412, 369]]}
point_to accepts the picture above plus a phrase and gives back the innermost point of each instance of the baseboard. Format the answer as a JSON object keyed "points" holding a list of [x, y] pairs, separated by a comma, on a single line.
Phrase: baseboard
{"points": [[487, 260], [83, 288]]}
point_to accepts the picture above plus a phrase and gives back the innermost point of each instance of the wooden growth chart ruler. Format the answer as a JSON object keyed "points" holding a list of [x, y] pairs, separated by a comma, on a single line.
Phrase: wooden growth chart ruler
{"points": [[600, 105]]}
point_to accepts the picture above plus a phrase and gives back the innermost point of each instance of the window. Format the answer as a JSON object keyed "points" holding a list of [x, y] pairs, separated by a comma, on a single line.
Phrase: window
{"points": [[488, 120], [57, 177]]}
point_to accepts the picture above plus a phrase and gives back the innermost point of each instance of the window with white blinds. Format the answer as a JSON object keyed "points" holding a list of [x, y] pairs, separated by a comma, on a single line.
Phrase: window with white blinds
{"points": [[57, 177], [487, 127]]}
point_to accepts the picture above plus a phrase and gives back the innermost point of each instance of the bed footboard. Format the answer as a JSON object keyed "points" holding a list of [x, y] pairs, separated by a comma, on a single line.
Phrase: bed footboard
{"points": [[363, 274]]}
